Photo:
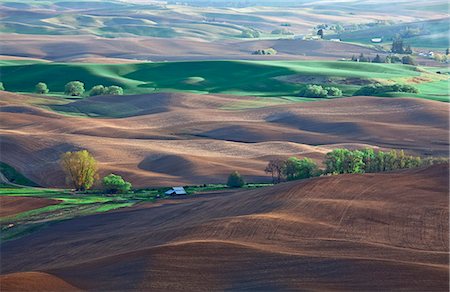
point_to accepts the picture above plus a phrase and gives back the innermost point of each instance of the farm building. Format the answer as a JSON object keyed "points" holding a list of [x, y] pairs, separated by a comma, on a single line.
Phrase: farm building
{"points": [[176, 191], [376, 40], [335, 40]]}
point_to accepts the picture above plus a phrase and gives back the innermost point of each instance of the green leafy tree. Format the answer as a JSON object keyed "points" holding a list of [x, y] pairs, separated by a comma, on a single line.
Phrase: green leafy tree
{"points": [[300, 168], [74, 88], [447, 51], [369, 160], [116, 184], [41, 88], [80, 168], [333, 91], [235, 180], [344, 161], [97, 90], [314, 91], [2, 87], [114, 90]]}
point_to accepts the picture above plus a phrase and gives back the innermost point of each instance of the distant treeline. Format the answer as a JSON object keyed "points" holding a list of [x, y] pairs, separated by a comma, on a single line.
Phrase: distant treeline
{"points": [[340, 161]]}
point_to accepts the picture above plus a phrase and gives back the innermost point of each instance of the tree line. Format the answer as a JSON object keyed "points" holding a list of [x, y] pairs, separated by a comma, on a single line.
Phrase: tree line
{"points": [[406, 60], [76, 88], [81, 167], [340, 161]]}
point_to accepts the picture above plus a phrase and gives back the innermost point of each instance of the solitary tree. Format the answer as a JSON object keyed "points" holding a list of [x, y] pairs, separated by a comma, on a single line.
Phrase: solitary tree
{"points": [[116, 184], [80, 168], [2, 87], [74, 88], [41, 88], [235, 180]]}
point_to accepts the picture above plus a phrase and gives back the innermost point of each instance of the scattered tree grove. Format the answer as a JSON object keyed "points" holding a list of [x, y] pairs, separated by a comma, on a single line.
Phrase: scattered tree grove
{"points": [[80, 168], [269, 51], [106, 90], [379, 89], [318, 91]]}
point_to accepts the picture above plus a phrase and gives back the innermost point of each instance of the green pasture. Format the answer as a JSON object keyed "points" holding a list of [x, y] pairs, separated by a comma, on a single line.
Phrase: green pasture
{"points": [[250, 78]]}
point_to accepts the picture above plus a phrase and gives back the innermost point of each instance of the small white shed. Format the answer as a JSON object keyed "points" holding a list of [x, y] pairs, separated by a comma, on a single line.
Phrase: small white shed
{"points": [[176, 191]]}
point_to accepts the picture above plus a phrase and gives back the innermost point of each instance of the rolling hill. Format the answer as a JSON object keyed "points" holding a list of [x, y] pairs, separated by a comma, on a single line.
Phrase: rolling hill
{"points": [[251, 78], [349, 232], [179, 139]]}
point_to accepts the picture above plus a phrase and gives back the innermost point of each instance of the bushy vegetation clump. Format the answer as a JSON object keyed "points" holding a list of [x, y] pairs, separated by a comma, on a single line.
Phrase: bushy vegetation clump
{"points": [[2, 87], [312, 90], [106, 90], [250, 34], [269, 51], [379, 89], [41, 88], [116, 184], [235, 180], [74, 88]]}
